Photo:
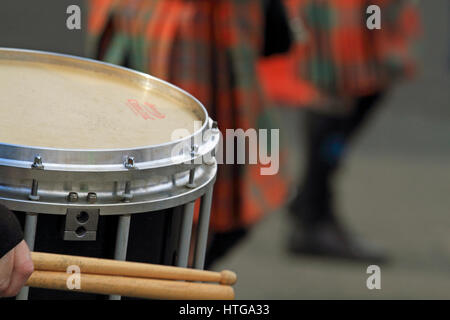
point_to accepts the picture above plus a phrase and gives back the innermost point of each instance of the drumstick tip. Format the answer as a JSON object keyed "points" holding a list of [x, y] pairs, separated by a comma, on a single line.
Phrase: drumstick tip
{"points": [[228, 277]]}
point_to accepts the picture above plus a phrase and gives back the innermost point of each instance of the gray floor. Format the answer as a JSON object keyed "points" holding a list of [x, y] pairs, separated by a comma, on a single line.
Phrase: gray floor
{"points": [[394, 191]]}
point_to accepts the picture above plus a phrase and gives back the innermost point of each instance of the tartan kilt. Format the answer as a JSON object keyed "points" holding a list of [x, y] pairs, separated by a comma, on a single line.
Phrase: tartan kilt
{"points": [[336, 53], [208, 48]]}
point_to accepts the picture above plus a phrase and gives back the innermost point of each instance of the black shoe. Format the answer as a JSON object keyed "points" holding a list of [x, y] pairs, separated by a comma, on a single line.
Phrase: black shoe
{"points": [[328, 239]]}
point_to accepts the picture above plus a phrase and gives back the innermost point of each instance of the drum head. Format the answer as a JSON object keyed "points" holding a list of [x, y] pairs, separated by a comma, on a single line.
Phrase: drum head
{"points": [[68, 103]]}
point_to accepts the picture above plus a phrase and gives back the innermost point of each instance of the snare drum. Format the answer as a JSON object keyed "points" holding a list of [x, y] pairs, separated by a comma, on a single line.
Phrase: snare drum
{"points": [[90, 163]]}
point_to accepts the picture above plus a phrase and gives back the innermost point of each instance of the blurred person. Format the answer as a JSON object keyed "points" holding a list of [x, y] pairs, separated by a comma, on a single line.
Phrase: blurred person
{"points": [[208, 48], [355, 66], [342, 71], [16, 265]]}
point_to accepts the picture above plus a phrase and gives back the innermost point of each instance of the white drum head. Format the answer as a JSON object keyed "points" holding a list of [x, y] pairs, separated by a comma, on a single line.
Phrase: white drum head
{"points": [[67, 107]]}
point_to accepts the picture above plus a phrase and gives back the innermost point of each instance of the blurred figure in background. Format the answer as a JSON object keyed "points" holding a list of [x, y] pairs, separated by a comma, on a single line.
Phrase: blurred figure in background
{"points": [[208, 48], [353, 68], [342, 72]]}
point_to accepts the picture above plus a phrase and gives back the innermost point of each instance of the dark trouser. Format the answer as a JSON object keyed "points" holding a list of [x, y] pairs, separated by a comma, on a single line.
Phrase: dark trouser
{"points": [[327, 138]]}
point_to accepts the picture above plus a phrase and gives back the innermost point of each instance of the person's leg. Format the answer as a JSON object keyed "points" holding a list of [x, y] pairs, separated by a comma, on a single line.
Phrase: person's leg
{"points": [[324, 147], [327, 138], [364, 108]]}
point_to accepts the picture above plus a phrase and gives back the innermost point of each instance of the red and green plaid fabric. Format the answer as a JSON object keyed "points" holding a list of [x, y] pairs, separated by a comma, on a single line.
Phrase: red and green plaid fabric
{"points": [[341, 56], [336, 56], [208, 48]]}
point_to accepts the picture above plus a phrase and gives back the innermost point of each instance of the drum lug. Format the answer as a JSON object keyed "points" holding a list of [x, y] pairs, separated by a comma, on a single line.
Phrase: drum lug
{"points": [[194, 153], [81, 224], [127, 196], [91, 197], [72, 197], [33, 196], [37, 165]]}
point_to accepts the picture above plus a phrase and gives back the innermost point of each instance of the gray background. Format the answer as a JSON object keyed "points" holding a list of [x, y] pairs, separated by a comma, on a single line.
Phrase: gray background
{"points": [[394, 189], [40, 25]]}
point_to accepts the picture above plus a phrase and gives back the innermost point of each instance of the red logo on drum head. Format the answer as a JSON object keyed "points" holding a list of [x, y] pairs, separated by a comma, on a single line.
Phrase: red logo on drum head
{"points": [[148, 111]]}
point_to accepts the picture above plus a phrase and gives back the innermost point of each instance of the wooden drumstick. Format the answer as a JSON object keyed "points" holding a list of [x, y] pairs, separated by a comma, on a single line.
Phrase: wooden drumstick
{"points": [[55, 262], [132, 287]]}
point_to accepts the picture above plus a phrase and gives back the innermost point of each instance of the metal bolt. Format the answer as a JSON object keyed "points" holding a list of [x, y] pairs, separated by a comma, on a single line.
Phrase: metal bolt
{"points": [[34, 191], [214, 125], [72, 197], [191, 183], [37, 163], [127, 196], [194, 152], [129, 162], [91, 197]]}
